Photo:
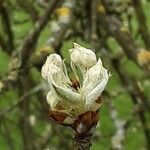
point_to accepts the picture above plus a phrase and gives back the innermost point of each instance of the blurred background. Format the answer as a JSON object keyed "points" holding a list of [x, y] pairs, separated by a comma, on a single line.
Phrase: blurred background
{"points": [[116, 30]]}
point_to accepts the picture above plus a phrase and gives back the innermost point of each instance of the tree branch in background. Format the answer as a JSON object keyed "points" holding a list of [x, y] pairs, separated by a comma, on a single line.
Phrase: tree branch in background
{"points": [[113, 26], [25, 83], [28, 93], [94, 24], [20, 58], [142, 23], [6, 22], [59, 31], [3, 43], [125, 80], [118, 139], [29, 8], [7, 134]]}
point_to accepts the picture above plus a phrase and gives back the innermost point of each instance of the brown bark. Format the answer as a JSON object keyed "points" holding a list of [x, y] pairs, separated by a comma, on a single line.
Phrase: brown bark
{"points": [[82, 142], [143, 28], [20, 59], [84, 127]]}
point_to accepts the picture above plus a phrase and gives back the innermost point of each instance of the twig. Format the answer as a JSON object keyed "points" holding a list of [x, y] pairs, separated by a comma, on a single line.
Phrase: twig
{"points": [[82, 143], [25, 127], [142, 22], [7, 27], [126, 83], [119, 137], [84, 127], [3, 43], [94, 37], [19, 60], [29, 8], [55, 41], [7, 135], [114, 27], [17, 102]]}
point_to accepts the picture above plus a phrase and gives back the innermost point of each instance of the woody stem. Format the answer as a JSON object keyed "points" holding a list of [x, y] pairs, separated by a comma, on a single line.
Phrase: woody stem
{"points": [[84, 127], [82, 142]]}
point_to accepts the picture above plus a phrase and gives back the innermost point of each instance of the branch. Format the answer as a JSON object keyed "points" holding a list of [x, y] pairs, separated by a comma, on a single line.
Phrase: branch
{"points": [[59, 31], [17, 102], [7, 27], [7, 134], [142, 22], [3, 43], [94, 24], [28, 136], [29, 8], [20, 58], [125, 80], [119, 137], [114, 27]]}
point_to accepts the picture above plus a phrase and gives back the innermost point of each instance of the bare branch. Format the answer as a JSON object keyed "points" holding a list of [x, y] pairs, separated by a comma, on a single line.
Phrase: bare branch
{"points": [[126, 83], [7, 27], [20, 59], [114, 27], [142, 22]]}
